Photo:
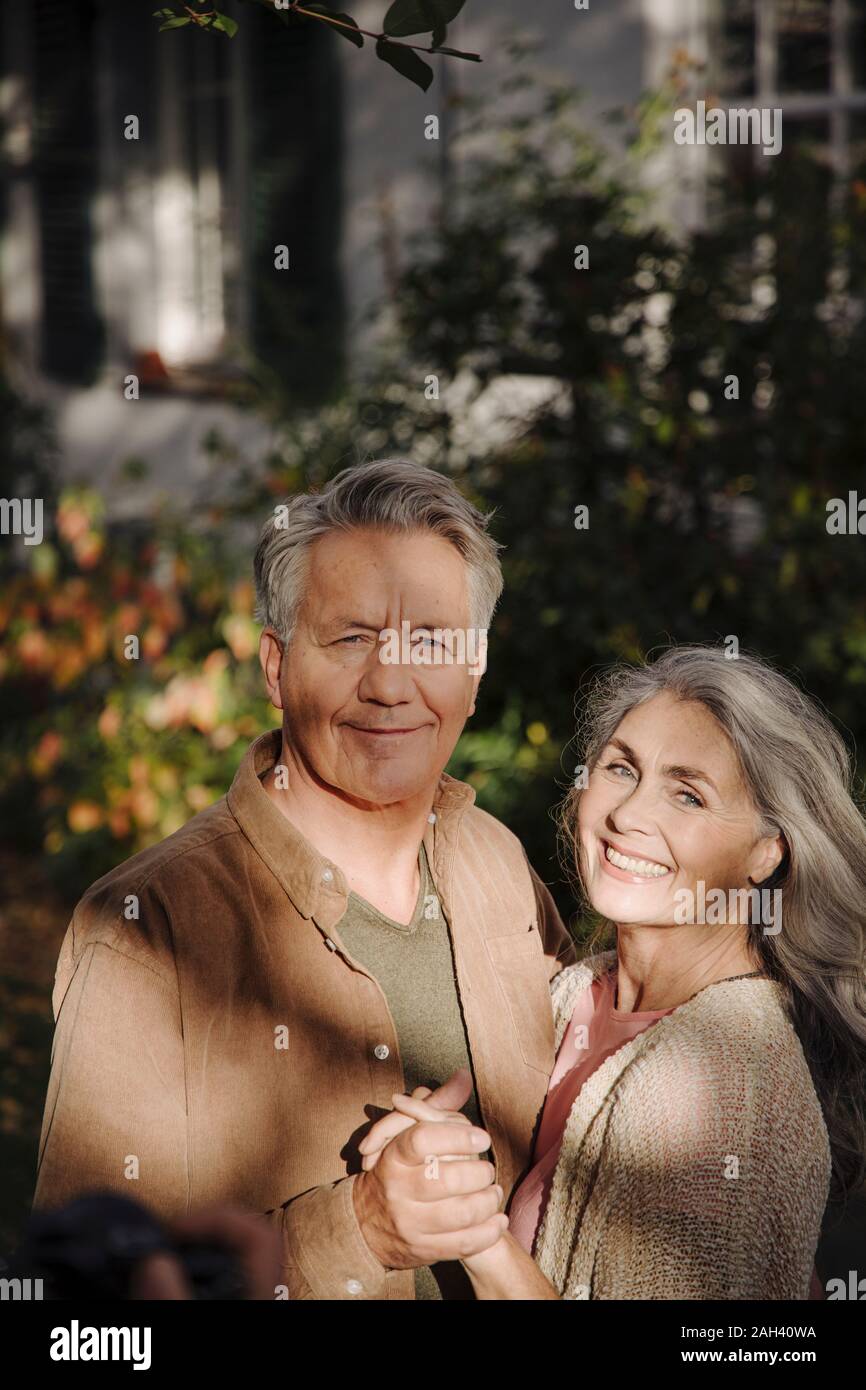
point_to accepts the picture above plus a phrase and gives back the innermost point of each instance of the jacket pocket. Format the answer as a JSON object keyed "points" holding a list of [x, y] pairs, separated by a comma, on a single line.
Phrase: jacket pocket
{"points": [[521, 970]]}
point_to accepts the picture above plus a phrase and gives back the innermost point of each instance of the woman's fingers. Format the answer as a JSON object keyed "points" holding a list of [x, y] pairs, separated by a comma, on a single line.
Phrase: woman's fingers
{"points": [[423, 1110], [380, 1134], [407, 1111]]}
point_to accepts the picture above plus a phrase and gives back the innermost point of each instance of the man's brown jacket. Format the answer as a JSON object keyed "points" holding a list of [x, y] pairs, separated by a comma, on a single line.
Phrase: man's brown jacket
{"points": [[214, 1041]]}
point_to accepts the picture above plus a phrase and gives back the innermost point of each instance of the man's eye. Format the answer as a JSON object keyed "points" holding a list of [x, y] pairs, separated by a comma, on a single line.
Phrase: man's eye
{"points": [[355, 637]]}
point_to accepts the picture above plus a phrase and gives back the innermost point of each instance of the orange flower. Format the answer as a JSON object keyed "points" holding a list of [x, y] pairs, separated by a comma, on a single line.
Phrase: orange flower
{"points": [[154, 642], [34, 650], [240, 634], [109, 722], [119, 822], [83, 816], [46, 753], [88, 549], [73, 523]]}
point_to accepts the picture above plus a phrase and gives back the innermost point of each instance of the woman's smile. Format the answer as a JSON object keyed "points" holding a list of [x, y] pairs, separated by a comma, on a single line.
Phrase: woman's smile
{"points": [[629, 868]]}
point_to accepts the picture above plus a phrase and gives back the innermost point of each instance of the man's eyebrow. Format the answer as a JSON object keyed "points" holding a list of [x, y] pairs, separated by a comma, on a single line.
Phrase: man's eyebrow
{"points": [[689, 774], [351, 622]]}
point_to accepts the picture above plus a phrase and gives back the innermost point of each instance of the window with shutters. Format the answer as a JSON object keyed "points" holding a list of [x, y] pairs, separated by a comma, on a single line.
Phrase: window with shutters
{"points": [[160, 249], [64, 180], [296, 116], [809, 58]]}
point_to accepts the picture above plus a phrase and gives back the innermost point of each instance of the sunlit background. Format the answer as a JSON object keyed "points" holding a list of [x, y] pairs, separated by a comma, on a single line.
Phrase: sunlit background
{"points": [[431, 308]]}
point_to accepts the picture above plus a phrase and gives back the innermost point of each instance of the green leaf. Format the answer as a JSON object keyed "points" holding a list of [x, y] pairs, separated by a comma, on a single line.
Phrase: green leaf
{"points": [[226, 24], [163, 14], [407, 17], [406, 62], [351, 34], [176, 23]]}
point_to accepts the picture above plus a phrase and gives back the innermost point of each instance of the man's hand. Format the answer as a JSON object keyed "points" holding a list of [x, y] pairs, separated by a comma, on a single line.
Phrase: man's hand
{"points": [[428, 1197], [448, 1099]]}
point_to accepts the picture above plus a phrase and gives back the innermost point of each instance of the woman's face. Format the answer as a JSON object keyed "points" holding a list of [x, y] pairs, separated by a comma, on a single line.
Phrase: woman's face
{"points": [[666, 809]]}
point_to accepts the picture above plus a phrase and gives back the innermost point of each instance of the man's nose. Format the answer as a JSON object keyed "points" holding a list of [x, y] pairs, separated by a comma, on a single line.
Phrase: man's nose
{"points": [[386, 682]]}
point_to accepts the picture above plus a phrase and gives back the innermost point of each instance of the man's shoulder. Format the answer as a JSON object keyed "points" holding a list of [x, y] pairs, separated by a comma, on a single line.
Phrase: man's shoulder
{"points": [[481, 832], [150, 867], [127, 909]]}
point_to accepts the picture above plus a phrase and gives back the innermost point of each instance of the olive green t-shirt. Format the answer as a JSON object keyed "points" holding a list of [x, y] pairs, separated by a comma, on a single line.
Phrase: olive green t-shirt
{"points": [[414, 966]]}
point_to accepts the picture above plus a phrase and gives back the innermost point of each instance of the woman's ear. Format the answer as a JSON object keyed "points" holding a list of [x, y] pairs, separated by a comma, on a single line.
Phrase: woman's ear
{"points": [[766, 858]]}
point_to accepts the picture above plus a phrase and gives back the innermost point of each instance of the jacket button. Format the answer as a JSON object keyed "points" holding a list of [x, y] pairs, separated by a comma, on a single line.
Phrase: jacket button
{"points": [[354, 1286], [432, 818], [327, 875], [381, 1050]]}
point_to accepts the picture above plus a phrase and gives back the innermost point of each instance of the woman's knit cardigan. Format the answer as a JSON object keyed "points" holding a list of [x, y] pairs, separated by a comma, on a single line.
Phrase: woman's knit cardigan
{"points": [[695, 1161]]}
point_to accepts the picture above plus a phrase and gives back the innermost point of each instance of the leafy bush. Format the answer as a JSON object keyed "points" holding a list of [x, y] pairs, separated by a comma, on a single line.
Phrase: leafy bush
{"points": [[707, 514]]}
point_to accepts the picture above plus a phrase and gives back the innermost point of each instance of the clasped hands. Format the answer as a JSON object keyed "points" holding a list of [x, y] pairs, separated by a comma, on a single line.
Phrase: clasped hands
{"points": [[425, 1193]]}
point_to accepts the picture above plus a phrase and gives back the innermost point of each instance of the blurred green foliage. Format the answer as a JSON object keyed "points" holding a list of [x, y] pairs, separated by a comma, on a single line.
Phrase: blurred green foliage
{"points": [[558, 387]]}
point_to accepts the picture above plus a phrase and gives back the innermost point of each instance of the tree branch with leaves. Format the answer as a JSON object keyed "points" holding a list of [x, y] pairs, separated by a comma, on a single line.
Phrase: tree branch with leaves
{"points": [[404, 19]]}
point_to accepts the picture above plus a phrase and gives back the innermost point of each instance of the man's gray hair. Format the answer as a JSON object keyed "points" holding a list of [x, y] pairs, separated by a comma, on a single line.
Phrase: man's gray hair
{"points": [[391, 494]]}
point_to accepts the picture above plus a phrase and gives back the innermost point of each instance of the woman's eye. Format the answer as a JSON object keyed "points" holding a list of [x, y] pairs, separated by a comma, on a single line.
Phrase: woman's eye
{"points": [[691, 799], [618, 767]]}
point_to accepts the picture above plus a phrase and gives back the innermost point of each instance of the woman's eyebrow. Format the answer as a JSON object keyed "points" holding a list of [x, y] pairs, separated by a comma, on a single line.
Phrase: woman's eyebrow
{"points": [[689, 774], [624, 748], [676, 770]]}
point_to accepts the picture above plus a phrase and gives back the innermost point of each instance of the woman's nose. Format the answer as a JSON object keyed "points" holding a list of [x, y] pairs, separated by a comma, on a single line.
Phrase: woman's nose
{"points": [[635, 811]]}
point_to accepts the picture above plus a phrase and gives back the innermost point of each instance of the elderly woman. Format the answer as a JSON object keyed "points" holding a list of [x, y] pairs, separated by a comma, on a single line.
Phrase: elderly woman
{"points": [[708, 1091]]}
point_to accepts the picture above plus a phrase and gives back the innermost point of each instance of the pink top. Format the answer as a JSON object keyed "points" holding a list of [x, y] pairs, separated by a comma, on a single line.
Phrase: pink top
{"points": [[595, 1031]]}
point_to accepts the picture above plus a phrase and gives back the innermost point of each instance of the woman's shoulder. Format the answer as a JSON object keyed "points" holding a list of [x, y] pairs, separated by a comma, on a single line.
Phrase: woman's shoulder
{"points": [[571, 982], [733, 1041], [742, 1019]]}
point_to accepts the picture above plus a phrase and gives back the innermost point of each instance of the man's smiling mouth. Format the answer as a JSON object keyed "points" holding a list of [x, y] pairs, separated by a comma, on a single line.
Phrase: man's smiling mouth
{"points": [[384, 733]]}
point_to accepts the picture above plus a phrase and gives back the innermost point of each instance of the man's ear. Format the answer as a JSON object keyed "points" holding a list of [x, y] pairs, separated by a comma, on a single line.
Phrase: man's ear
{"points": [[270, 658], [480, 668], [476, 681], [766, 857]]}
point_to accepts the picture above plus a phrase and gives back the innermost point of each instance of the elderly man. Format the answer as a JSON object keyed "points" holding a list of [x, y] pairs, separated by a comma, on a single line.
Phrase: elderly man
{"points": [[236, 1004]]}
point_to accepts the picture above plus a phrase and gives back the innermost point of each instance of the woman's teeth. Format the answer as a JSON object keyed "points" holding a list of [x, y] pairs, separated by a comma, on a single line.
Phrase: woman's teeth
{"points": [[635, 866]]}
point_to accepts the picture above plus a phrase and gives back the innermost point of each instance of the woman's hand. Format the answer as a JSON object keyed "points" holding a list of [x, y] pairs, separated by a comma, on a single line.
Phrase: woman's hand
{"points": [[414, 1211], [443, 1104], [505, 1272], [501, 1271]]}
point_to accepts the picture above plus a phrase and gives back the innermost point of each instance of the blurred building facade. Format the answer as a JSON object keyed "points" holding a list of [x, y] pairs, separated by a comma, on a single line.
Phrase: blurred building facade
{"points": [[149, 177]]}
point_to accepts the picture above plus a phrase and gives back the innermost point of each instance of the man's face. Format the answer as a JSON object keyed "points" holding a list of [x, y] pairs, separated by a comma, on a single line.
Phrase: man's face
{"points": [[378, 731]]}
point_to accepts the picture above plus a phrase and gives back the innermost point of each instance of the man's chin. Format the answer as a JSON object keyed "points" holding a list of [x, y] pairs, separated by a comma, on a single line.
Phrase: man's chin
{"points": [[388, 787]]}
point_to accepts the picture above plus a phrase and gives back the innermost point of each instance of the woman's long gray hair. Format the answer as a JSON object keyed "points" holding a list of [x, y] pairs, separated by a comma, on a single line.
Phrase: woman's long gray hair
{"points": [[798, 771]]}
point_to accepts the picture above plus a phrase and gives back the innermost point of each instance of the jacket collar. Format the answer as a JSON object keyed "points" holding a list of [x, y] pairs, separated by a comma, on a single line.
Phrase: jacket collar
{"points": [[316, 885]]}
